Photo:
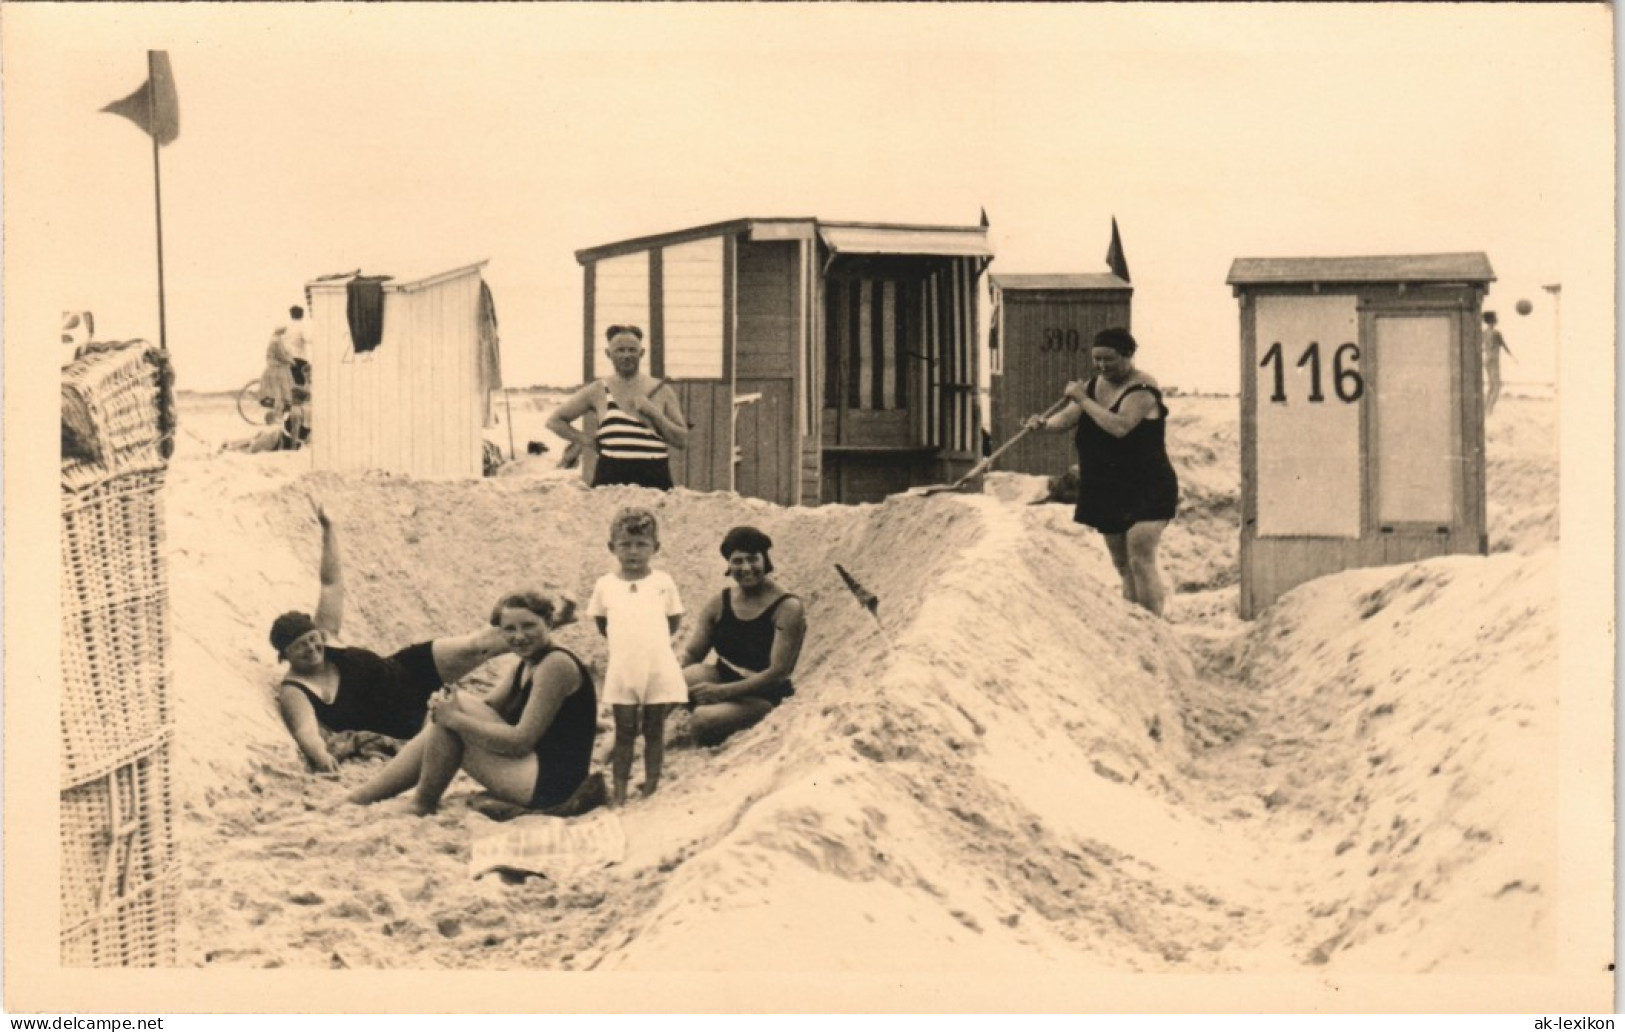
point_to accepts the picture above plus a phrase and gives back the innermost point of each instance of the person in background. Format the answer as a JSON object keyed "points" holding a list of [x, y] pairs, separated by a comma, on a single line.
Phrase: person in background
{"points": [[529, 742], [638, 609], [276, 382], [756, 629], [638, 419], [331, 688], [298, 345], [1494, 344], [1127, 488]]}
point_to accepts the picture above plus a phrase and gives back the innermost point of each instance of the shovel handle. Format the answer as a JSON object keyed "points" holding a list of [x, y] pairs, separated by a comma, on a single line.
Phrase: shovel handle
{"points": [[987, 463]]}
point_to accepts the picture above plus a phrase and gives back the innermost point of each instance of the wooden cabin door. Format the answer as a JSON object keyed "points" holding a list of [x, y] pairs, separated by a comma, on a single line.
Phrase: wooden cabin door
{"points": [[765, 434]]}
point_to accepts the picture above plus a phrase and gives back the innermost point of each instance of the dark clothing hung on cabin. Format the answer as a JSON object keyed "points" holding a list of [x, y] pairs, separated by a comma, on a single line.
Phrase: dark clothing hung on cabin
{"points": [[365, 310]]}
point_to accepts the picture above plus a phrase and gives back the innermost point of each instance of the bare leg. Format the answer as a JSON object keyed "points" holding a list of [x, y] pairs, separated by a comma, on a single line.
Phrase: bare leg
{"points": [[455, 657], [1143, 539], [654, 744], [398, 775], [714, 723], [620, 756], [1117, 545], [442, 757]]}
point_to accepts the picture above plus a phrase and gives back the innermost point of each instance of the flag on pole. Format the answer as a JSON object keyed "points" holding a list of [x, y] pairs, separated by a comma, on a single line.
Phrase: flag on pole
{"points": [[154, 107], [1114, 255], [866, 598]]}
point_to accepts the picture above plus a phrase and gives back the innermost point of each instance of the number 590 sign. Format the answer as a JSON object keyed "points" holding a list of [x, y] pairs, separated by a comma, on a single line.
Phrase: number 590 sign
{"points": [[1346, 380]]}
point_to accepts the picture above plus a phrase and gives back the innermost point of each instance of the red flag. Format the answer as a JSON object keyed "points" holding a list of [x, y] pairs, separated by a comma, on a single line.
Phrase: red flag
{"points": [[154, 107], [1114, 255]]}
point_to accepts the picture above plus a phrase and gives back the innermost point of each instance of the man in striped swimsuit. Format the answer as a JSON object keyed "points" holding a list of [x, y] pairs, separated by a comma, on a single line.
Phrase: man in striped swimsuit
{"points": [[638, 418]]}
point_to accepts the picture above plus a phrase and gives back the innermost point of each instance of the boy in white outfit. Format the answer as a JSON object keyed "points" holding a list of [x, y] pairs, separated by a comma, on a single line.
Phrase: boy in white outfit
{"points": [[638, 609]]}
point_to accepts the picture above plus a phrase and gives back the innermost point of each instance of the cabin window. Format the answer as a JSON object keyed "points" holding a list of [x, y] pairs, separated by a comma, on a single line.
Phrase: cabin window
{"points": [[691, 309]]}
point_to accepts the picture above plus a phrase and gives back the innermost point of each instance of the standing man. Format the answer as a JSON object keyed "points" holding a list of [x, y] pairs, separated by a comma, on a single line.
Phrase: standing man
{"points": [[638, 418], [1494, 344]]}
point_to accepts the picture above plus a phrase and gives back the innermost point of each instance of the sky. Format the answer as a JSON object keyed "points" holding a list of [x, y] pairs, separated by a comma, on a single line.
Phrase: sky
{"points": [[410, 139]]}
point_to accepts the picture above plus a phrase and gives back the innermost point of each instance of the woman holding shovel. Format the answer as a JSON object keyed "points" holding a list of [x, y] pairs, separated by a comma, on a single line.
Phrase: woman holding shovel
{"points": [[1127, 488]]}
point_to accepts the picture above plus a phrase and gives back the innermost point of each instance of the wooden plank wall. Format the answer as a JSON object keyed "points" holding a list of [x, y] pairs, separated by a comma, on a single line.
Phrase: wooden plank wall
{"points": [[707, 463], [768, 314], [410, 406], [766, 440], [1046, 341]]}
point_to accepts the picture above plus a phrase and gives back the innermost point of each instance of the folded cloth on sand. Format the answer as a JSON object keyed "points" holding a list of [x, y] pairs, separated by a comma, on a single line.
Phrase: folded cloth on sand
{"points": [[360, 745], [561, 848]]}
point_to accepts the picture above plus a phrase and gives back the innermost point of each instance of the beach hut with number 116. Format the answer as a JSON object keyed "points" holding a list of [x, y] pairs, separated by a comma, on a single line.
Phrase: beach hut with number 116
{"points": [[1362, 414]]}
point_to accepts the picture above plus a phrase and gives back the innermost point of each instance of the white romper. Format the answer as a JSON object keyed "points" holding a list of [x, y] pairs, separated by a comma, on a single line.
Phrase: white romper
{"points": [[643, 668]]}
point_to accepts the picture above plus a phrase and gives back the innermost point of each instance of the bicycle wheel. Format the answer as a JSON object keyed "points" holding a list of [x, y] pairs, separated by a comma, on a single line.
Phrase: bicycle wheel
{"points": [[248, 403]]}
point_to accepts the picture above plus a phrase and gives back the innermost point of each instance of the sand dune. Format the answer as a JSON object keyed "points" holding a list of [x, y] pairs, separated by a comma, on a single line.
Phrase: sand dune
{"points": [[1020, 769]]}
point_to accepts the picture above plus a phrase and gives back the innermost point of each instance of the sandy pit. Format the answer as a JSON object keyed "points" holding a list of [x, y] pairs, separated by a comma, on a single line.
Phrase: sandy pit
{"points": [[1019, 768]]}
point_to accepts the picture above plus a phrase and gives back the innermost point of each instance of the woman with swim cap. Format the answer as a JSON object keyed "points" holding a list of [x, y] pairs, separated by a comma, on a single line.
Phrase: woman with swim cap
{"points": [[1127, 488], [328, 687], [756, 629]]}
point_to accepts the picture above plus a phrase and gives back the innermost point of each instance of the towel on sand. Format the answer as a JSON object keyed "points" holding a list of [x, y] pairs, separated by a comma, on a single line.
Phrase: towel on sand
{"points": [[559, 847]]}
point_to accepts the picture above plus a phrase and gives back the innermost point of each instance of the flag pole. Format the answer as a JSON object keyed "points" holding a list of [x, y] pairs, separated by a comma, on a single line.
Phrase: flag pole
{"points": [[157, 196]]}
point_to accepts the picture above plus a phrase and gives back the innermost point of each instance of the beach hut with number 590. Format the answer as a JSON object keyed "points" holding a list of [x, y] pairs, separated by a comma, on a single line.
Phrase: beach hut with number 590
{"points": [[1362, 414], [815, 361]]}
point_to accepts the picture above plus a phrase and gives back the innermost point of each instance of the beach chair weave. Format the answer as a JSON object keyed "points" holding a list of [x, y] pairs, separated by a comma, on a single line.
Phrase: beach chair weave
{"points": [[119, 870], [118, 413], [118, 888]]}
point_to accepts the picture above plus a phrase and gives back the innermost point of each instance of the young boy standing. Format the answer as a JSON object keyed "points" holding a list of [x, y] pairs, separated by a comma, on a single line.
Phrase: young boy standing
{"points": [[638, 609]]}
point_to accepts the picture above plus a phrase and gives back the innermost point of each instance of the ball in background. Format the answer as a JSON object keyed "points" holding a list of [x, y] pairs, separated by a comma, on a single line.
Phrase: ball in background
{"points": [[1524, 307]]}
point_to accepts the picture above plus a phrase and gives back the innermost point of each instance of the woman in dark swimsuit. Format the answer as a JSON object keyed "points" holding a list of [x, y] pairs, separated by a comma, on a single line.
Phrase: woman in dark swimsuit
{"points": [[1127, 488], [529, 742], [756, 629]]}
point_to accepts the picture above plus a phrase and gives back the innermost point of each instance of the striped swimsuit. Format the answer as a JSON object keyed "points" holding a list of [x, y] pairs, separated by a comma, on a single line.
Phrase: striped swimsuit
{"points": [[629, 450]]}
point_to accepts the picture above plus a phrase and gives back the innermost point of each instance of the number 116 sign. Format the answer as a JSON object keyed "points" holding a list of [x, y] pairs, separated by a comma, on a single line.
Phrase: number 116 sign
{"points": [[1345, 372]]}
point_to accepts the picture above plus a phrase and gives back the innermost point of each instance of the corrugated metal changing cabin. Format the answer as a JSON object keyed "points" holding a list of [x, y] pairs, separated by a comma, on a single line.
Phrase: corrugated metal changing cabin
{"points": [[816, 361]]}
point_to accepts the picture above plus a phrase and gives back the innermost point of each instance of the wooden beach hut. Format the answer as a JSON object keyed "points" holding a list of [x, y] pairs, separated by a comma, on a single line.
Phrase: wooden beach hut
{"points": [[402, 372], [817, 361], [1362, 415], [1043, 327]]}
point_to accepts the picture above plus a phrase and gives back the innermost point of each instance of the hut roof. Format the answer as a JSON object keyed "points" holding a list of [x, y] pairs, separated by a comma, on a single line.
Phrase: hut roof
{"points": [[1059, 281], [839, 237], [402, 283], [1467, 267]]}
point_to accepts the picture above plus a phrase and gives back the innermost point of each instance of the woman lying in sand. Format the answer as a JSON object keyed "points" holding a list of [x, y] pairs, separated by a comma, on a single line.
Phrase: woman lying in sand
{"points": [[756, 628], [529, 742], [330, 688]]}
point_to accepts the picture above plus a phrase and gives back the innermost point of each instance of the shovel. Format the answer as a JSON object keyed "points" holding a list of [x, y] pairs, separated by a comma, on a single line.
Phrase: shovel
{"points": [[987, 463]]}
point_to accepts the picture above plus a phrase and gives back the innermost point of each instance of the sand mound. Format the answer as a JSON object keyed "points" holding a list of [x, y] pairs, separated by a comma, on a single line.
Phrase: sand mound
{"points": [[1021, 768]]}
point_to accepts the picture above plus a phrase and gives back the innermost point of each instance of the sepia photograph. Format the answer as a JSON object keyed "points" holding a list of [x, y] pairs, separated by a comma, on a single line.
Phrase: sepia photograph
{"points": [[809, 508]]}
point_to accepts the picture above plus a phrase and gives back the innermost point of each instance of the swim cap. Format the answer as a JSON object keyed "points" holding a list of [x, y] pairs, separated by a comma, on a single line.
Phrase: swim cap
{"points": [[748, 539], [289, 628]]}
